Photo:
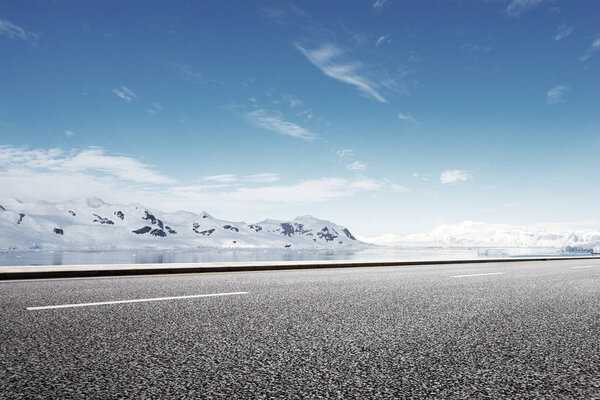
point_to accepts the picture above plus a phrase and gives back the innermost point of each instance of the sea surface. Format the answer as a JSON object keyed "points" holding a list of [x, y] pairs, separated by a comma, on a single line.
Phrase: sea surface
{"points": [[18, 258]]}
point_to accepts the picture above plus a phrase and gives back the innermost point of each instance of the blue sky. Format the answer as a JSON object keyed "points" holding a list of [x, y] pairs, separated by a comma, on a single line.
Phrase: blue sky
{"points": [[388, 116]]}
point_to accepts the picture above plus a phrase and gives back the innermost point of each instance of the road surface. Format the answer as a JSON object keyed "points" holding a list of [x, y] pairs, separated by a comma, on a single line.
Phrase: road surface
{"points": [[500, 330]]}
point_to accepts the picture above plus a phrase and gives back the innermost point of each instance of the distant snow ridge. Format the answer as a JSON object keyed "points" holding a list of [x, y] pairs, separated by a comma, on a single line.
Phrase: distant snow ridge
{"points": [[92, 224], [479, 234]]}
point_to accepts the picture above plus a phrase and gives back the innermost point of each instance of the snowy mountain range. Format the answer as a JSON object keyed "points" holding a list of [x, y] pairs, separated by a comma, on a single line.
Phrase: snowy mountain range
{"points": [[92, 224], [479, 234]]}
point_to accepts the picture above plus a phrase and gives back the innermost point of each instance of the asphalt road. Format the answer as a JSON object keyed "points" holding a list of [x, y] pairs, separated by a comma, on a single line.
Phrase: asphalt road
{"points": [[513, 330]]}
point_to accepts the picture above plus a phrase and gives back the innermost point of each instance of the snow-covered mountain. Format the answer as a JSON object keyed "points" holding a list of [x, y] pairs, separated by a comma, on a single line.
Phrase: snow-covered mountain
{"points": [[92, 224], [479, 234]]}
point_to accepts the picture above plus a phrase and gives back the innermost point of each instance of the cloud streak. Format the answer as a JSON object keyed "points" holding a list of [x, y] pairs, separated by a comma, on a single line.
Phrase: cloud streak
{"points": [[591, 50], [562, 32], [265, 177], [556, 95], [327, 59], [274, 121], [357, 166], [124, 93], [186, 71], [13, 31], [379, 3], [407, 118], [454, 176], [381, 40], [517, 7]]}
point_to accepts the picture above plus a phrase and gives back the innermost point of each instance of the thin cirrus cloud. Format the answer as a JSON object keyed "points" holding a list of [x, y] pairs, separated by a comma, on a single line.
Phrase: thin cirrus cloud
{"points": [[381, 40], [562, 32], [308, 191], [517, 7], [356, 166], [186, 71], [379, 3], [454, 176], [124, 93], [327, 59], [591, 50], [407, 118], [275, 122], [154, 108], [345, 153], [556, 95], [13, 31], [265, 177]]}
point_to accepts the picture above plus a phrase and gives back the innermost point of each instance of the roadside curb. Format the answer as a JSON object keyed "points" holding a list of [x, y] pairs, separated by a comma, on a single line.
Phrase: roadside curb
{"points": [[91, 271]]}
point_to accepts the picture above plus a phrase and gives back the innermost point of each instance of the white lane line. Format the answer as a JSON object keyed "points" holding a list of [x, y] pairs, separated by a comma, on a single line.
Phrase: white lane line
{"points": [[466, 276], [102, 303], [584, 266]]}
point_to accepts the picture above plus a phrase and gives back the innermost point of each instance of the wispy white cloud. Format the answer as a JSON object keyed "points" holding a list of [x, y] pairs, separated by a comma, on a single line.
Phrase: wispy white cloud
{"points": [[562, 32], [292, 101], [284, 14], [327, 59], [517, 7], [477, 47], [381, 40], [423, 177], [591, 50], [92, 160], [274, 121], [556, 95], [186, 71], [13, 31], [124, 93], [156, 107], [69, 133], [345, 153], [379, 3], [264, 177], [454, 176], [308, 191], [356, 166], [407, 118]]}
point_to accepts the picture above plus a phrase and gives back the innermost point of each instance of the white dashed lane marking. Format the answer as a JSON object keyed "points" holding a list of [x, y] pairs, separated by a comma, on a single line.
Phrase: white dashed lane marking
{"points": [[104, 303], [470, 275]]}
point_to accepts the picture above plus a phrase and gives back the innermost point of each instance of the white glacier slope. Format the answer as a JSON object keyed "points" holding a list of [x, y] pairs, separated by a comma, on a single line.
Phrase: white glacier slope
{"points": [[479, 234], [92, 224]]}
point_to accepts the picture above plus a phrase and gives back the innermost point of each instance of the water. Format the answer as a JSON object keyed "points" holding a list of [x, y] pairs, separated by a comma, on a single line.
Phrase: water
{"points": [[211, 255]]}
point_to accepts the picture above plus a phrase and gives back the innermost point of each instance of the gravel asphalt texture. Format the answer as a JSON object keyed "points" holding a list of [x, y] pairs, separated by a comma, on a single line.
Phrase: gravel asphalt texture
{"points": [[530, 332]]}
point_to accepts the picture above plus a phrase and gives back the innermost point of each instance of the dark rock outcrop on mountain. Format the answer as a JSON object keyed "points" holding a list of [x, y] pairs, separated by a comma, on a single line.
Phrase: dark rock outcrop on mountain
{"points": [[102, 220], [255, 228], [231, 228], [153, 219], [348, 234], [325, 234], [158, 232], [143, 230]]}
